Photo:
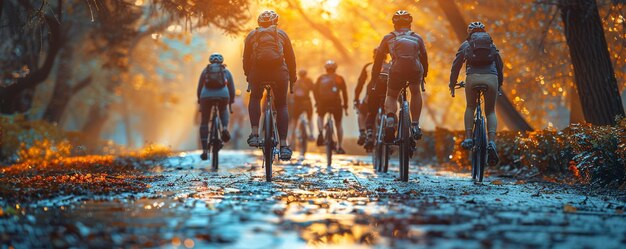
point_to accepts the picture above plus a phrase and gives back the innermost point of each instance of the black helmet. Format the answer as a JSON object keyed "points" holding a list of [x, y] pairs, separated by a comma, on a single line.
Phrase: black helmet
{"points": [[402, 17], [216, 58], [268, 17], [475, 26]]}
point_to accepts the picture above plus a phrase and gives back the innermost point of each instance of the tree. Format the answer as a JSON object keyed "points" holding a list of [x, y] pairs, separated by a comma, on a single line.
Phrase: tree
{"points": [[593, 70], [23, 48]]}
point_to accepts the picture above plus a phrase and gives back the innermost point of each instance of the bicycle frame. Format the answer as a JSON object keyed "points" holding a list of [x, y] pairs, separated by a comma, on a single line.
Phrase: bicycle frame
{"points": [[270, 133], [329, 142]]}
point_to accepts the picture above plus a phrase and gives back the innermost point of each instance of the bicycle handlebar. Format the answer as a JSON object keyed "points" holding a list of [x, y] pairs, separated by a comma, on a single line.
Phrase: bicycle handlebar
{"points": [[462, 85]]}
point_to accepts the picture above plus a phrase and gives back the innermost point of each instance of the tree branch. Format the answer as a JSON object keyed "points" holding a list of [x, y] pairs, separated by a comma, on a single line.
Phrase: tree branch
{"points": [[325, 31], [81, 84]]}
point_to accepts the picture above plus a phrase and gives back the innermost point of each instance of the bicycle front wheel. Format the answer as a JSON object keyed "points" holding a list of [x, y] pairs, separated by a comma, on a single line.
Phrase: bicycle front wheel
{"points": [[482, 149]]}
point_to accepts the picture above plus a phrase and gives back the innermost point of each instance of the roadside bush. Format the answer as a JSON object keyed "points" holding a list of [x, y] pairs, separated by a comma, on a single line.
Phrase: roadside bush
{"points": [[577, 154]]}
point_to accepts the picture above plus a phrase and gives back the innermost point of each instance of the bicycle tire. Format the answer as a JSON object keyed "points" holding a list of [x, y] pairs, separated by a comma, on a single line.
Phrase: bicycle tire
{"points": [[385, 158], [404, 142], [215, 141], [329, 143], [268, 144], [474, 151], [482, 145]]}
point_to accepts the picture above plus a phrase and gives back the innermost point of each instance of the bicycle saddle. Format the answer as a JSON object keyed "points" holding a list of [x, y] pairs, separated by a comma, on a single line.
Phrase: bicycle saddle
{"points": [[480, 88]]}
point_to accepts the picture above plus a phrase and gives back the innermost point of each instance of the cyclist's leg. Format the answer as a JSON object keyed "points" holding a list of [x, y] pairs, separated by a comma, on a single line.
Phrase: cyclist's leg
{"points": [[282, 114], [225, 118], [394, 86], [309, 117], [321, 110], [254, 107], [470, 109], [490, 104], [337, 115], [205, 109]]}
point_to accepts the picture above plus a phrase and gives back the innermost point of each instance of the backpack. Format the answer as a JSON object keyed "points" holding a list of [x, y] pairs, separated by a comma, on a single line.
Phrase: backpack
{"points": [[404, 48], [267, 48], [215, 76], [481, 50], [328, 91]]}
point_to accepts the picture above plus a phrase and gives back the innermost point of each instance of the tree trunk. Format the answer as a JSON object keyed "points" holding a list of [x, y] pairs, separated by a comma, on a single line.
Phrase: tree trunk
{"points": [[12, 98], [61, 92], [593, 71], [575, 109], [505, 109]]}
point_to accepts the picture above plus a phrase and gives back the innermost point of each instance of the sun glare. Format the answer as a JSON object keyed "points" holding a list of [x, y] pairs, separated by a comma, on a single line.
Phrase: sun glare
{"points": [[330, 7]]}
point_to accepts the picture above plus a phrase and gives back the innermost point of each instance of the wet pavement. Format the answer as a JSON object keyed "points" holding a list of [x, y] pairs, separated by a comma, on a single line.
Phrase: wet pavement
{"points": [[308, 204]]}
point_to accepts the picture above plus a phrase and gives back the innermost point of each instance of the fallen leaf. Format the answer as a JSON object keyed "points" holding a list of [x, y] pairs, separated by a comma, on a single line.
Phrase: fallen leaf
{"points": [[497, 182], [569, 208], [518, 182]]}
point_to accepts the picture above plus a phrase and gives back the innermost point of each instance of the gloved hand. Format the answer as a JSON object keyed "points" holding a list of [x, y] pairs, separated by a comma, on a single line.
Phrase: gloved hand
{"points": [[452, 86]]}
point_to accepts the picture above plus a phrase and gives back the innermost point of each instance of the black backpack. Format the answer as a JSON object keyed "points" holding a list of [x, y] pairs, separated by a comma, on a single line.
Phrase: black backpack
{"points": [[481, 50], [267, 48], [215, 76], [328, 89], [404, 48]]}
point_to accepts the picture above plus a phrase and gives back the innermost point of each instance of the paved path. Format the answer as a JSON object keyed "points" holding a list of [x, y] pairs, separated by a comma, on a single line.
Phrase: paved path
{"points": [[309, 205]]}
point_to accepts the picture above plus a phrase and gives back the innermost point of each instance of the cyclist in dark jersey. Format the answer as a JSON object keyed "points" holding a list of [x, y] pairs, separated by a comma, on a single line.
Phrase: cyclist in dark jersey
{"points": [[206, 97], [328, 99], [374, 98], [261, 42], [300, 102], [411, 68]]}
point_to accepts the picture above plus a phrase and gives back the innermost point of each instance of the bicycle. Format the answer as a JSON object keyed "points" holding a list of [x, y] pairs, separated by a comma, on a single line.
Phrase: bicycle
{"points": [[381, 153], [404, 139], [269, 132], [215, 132], [479, 135]]}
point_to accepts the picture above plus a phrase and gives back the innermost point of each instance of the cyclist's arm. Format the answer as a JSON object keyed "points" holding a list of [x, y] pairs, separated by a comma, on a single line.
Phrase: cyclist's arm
{"points": [[458, 63], [200, 85], [380, 56], [344, 92], [231, 86], [500, 69], [361, 82], [290, 58], [315, 91], [247, 52], [423, 55]]}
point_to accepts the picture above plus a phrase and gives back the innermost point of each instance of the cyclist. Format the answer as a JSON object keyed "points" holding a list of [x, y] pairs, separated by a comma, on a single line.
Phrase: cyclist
{"points": [[328, 99], [375, 98], [237, 118], [300, 102], [364, 106], [268, 57], [482, 68], [216, 82], [409, 63]]}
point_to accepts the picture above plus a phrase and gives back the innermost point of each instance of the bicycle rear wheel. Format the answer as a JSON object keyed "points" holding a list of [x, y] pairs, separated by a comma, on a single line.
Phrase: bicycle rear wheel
{"points": [[482, 149], [268, 144], [215, 143], [404, 142], [386, 155], [329, 143]]}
